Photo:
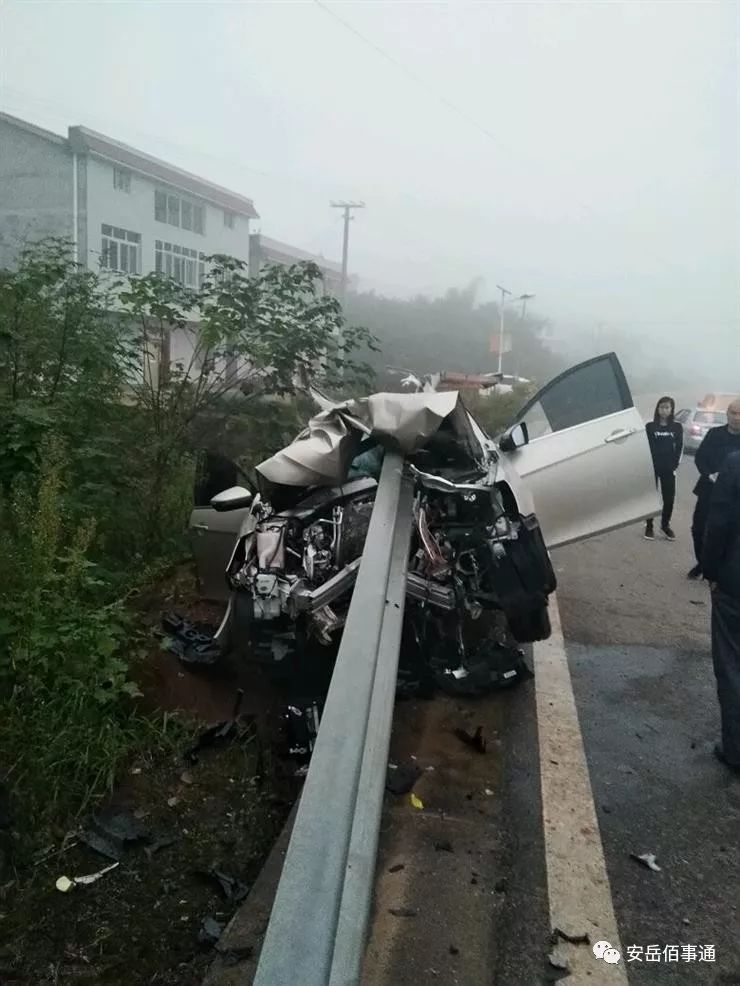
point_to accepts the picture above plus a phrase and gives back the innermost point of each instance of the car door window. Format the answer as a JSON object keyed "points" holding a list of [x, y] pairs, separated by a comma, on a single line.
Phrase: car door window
{"points": [[589, 391], [214, 474]]}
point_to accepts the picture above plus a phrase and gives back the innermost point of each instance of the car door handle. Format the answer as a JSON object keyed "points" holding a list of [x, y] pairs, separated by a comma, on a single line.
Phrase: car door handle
{"points": [[199, 527], [622, 433]]}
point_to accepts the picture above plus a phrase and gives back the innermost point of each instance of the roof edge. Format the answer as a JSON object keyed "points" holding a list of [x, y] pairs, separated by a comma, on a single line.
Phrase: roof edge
{"points": [[31, 128], [82, 139]]}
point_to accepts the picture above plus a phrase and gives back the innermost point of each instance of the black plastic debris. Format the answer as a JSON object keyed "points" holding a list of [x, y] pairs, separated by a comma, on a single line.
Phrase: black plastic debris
{"points": [[188, 643], [112, 831], [454, 950], [559, 935], [228, 886], [443, 845], [402, 779], [403, 912], [210, 931], [301, 720], [219, 733], [397, 868], [476, 741]]}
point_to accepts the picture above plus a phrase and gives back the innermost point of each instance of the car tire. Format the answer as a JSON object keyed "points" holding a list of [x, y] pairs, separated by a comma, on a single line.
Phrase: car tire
{"points": [[528, 627]]}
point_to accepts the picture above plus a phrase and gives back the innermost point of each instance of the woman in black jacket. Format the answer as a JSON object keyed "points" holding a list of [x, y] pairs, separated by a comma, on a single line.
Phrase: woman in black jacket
{"points": [[666, 446]]}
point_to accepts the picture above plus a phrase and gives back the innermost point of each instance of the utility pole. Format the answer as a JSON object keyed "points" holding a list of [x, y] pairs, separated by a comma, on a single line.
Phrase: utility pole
{"points": [[347, 207], [524, 298], [502, 306]]}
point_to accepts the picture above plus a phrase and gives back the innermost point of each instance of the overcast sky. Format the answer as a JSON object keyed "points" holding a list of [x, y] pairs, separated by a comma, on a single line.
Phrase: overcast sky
{"points": [[587, 152]]}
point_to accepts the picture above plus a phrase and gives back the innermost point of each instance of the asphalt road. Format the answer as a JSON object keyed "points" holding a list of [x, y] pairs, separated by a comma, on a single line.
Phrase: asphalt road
{"points": [[607, 753], [637, 639]]}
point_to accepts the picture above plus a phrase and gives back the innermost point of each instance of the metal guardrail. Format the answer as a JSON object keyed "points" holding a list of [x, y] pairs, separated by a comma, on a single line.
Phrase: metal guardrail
{"points": [[318, 926]]}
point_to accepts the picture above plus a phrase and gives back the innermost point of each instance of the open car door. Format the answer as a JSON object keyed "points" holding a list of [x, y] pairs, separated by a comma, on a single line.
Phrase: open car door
{"points": [[213, 534], [587, 461]]}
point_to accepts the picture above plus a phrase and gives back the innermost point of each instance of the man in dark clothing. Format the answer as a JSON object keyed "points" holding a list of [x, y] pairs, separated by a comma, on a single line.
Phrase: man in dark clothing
{"points": [[710, 457], [665, 437], [721, 565]]}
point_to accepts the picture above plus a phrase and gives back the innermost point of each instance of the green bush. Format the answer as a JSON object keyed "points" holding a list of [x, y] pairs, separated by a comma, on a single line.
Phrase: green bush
{"points": [[65, 691]]}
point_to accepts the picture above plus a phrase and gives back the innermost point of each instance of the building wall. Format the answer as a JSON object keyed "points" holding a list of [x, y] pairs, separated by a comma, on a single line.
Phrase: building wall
{"points": [[35, 190], [134, 211]]}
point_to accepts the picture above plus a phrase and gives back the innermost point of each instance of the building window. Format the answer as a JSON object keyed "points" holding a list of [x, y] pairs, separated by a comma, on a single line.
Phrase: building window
{"points": [[173, 210], [122, 179], [177, 211], [160, 207], [180, 263], [120, 250], [229, 219]]}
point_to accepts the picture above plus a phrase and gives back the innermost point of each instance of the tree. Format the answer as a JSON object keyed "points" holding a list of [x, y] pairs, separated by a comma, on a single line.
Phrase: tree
{"points": [[451, 332]]}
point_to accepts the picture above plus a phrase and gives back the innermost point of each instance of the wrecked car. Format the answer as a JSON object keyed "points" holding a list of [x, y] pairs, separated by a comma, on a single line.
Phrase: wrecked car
{"points": [[285, 556]]}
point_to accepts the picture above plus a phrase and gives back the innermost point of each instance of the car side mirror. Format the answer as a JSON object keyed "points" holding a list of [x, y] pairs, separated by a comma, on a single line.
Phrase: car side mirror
{"points": [[235, 498], [514, 438]]}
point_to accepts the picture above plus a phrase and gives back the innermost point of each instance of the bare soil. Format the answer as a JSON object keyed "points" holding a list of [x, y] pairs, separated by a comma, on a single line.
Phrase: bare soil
{"points": [[140, 923]]}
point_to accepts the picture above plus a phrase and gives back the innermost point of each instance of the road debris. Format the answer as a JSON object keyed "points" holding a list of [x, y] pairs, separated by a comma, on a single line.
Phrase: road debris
{"points": [[558, 934], [112, 831], [558, 961], [501, 886], [210, 931], [416, 802], [220, 732], [403, 912], [647, 859], [454, 950], [65, 884], [190, 645], [556, 967], [401, 780], [476, 741], [397, 868], [444, 845], [230, 887]]}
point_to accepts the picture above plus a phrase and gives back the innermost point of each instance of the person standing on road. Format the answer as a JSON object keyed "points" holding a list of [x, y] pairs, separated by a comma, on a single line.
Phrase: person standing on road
{"points": [[721, 566], [665, 437], [710, 457]]}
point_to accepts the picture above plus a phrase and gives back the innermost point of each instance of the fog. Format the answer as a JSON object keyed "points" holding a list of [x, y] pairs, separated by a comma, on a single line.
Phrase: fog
{"points": [[587, 153]]}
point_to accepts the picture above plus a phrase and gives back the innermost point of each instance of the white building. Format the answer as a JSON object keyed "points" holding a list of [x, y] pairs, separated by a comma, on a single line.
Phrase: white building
{"points": [[121, 209], [265, 251]]}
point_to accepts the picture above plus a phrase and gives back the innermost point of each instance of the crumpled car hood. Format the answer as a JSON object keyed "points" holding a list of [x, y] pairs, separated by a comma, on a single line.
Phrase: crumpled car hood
{"points": [[321, 455]]}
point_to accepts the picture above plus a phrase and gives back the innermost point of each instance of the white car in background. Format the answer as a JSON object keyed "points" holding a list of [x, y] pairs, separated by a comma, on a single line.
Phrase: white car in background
{"points": [[708, 413]]}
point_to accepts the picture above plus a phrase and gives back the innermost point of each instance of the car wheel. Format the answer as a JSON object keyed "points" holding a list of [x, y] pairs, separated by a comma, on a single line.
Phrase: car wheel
{"points": [[530, 626]]}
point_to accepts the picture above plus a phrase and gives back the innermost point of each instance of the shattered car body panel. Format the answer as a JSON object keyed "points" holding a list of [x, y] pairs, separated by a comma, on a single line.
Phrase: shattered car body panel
{"points": [[477, 546], [472, 548]]}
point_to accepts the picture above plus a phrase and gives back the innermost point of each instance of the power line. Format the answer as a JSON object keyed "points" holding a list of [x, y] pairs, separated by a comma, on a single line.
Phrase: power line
{"points": [[413, 76]]}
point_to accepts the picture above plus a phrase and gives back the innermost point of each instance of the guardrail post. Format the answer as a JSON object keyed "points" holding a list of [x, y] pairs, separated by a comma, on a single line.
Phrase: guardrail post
{"points": [[326, 884]]}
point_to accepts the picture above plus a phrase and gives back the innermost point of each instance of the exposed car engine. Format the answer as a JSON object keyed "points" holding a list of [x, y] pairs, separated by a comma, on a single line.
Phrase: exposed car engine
{"points": [[468, 555]]}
